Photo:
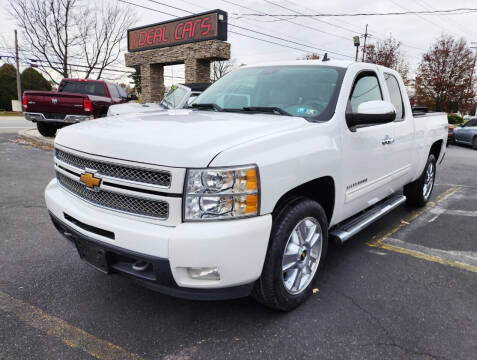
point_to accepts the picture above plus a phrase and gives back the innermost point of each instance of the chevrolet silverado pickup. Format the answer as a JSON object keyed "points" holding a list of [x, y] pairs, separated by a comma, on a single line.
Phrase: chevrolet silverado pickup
{"points": [[178, 97], [76, 100], [241, 194]]}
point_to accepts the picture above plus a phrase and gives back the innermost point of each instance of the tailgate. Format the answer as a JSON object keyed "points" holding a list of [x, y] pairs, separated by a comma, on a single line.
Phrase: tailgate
{"points": [[55, 103]]}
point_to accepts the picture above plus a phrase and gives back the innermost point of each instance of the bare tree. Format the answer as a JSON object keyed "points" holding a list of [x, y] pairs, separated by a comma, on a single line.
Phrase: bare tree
{"points": [[388, 53], [221, 68], [444, 78], [60, 35], [46, 27], [103, 27]]}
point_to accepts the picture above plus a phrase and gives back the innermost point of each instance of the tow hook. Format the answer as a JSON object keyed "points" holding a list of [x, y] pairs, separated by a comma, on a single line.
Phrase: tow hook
{"points": [[140, 265]]}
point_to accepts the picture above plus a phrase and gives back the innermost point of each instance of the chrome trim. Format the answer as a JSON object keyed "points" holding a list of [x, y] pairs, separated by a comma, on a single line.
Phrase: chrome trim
{"points": [[126, 182], [367, 219], [112, 209], [177, 173], [69, 118]]}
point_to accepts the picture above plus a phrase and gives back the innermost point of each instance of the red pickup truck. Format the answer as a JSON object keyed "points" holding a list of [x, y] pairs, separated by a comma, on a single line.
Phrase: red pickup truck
{"points": [[76, 100]]}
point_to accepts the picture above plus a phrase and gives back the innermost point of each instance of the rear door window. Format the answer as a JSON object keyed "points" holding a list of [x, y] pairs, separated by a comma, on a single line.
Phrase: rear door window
{"points": [[395, 94]]}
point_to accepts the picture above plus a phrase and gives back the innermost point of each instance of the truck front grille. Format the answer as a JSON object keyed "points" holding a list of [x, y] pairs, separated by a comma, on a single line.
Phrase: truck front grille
{"points": [[119, 202], [147, 176]]}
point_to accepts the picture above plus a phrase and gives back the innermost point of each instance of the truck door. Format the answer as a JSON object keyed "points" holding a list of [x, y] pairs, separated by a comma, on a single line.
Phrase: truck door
{"points": [[402, 144], [367, 170]]}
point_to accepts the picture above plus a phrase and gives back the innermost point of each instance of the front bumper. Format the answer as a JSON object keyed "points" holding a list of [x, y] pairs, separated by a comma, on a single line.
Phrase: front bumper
{"points": [[69, 119], [237, 247]]}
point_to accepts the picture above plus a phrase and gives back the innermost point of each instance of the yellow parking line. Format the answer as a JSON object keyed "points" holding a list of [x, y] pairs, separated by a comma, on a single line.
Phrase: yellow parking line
{"points": [[423, 256], [380, 241], [68, 334]]}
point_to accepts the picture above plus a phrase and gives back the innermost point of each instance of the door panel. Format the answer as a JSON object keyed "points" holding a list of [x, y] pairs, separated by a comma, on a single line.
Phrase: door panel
{"points": [[401, 149], [367, 171]]}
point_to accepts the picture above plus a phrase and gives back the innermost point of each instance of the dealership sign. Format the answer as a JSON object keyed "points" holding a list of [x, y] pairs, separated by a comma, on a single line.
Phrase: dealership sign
{"points": [[194, 28]]}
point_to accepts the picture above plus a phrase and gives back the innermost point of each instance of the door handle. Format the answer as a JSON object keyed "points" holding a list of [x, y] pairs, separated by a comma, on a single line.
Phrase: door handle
{"points": [[387, 140]]}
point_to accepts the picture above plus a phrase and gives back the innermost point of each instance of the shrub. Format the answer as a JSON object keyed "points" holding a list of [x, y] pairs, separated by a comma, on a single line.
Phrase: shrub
{"points": [[455, 119]]}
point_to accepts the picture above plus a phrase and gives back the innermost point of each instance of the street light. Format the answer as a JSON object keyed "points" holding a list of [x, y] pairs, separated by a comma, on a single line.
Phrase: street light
{"points": [[356, 43]]}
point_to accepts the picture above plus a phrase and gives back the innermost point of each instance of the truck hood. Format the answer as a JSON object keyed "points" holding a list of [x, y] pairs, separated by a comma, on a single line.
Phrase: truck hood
{"points": [[178, 138], [133, 107]]}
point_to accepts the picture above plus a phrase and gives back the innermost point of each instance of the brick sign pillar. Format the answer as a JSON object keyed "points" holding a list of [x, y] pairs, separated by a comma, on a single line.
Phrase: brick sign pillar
{"points": [[197, 70], [195, 41], [152, 82]]}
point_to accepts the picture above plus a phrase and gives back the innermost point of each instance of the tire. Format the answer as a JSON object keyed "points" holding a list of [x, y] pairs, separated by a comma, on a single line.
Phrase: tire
{"points": [[418, 192], [276, 287], [45, 129], [474, 143]]}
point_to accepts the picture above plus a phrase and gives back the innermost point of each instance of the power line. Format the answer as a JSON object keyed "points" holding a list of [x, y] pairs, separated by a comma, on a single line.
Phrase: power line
{"points": [[288, 20], [248, 29], [457, 11]]}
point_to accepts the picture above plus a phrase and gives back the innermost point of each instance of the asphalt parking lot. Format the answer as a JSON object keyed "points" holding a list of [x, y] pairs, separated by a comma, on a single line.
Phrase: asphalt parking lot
{"points": [[406, 288]]}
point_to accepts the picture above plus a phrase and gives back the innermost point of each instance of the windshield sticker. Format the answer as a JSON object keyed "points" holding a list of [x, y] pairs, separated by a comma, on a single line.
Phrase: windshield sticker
{"points": [[306, 111]]}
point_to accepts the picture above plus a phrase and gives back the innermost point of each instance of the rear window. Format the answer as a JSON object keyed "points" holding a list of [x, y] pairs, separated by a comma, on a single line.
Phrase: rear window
{"points": [[83, 87]]}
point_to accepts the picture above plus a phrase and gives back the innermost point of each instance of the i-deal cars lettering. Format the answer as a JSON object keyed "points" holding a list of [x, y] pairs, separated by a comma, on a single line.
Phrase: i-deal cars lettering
{"points": [[207, 26]]}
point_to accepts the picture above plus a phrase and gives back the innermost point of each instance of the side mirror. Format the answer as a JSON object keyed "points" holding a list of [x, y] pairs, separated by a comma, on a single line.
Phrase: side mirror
{"points": [[372, 113], [132, 97]]}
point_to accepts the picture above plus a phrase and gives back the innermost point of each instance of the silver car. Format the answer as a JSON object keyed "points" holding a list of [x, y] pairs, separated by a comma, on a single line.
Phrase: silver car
{"points": [[467, 133]]}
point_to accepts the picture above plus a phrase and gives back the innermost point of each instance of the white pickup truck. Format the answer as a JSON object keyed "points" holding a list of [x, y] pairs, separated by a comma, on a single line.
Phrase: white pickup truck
{"points": [[242, 194], [179, 96]]}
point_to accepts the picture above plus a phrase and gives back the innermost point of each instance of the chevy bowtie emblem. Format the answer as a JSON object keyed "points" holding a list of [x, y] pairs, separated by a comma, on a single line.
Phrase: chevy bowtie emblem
{"points": [[89, 180]]}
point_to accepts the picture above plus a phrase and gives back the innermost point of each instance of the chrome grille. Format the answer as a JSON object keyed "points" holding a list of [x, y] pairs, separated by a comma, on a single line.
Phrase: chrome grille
{"points": [[161, 178], [129, 204]]}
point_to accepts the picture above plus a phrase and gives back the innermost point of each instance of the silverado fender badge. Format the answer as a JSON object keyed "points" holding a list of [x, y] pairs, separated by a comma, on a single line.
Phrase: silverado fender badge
{"points": [[54, 100], [90, 180]]}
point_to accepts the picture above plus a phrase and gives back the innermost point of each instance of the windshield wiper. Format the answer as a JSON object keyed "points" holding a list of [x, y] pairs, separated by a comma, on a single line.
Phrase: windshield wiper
{"points": [[208, 106], [164, 103], [268, 109]]}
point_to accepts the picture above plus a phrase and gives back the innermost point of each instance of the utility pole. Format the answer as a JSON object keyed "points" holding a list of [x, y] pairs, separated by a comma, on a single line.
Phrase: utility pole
{"points": [[364, 45], [19, 86], [473, 45]]}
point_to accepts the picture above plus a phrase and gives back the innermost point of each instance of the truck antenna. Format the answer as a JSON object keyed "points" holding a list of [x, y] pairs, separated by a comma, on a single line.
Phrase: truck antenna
{"points": [[326, 58]]}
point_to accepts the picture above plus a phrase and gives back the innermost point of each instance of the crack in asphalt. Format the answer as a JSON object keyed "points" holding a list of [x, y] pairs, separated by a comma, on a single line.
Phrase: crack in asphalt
{"points": [[385, 331]]}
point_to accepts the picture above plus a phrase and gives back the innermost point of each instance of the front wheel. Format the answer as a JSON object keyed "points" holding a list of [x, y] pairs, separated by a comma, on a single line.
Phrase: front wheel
{"points": [[45, 129], [419, 191], [474, 143], [298, 245]]}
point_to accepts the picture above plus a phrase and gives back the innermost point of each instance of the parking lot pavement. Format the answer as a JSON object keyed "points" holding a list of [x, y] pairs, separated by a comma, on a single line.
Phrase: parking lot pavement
{"points": [[12, 124], [402, 289]]}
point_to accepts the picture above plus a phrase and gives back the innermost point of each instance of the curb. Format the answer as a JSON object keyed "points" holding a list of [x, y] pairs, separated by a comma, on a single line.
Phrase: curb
{"points": [[32, 135]]}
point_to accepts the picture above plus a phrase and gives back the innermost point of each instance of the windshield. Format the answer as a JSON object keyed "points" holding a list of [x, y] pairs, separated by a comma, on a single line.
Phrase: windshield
{"points": [[175, 96], [303, 91], [83, 87]]}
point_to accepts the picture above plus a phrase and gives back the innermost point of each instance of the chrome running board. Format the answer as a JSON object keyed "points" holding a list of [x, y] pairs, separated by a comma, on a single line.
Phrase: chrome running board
{"points": [[354, 225]]}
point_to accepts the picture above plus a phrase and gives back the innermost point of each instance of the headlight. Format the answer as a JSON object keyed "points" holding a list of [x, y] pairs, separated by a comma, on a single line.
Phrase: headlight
{"points": [[225, 193]]}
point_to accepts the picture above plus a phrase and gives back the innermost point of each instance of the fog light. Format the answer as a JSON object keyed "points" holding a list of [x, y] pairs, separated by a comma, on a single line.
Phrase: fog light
{"points": [[204, 273]]}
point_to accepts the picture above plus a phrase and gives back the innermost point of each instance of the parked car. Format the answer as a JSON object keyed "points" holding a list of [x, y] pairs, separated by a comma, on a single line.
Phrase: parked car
{"points": [[76, 100], [450, 136], [178, 97], [467, 133], [242, 194]]}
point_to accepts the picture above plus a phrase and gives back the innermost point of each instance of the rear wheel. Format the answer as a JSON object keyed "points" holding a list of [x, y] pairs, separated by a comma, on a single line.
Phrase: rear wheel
{"points": [[419, 192], [298, 245], [46, 129], [474, 143]]}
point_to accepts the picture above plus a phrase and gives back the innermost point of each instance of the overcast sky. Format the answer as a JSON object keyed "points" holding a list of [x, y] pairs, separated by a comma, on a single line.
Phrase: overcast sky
{"points": [[416, 32]]}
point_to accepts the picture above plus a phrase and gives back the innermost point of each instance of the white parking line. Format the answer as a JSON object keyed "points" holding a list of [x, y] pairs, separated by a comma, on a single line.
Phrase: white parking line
{"points": [[461, 213]]}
